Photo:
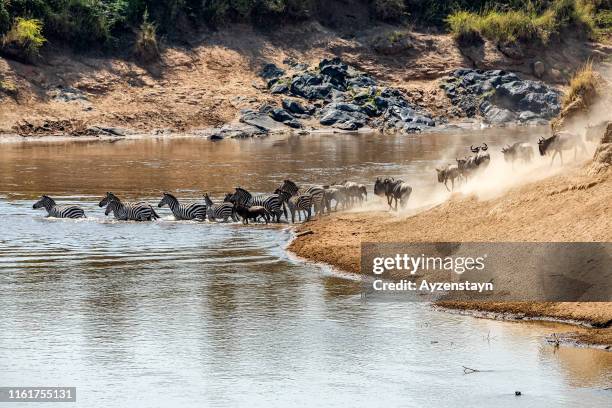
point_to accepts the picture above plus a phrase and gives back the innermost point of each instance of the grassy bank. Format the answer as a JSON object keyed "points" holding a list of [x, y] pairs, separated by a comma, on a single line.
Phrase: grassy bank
{"points": [[589, 19]]}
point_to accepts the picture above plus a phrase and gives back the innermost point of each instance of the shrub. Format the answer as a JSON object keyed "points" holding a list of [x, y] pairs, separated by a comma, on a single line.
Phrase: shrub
{"points": [[146, 47], [389, 10], [465, 27], [508, 27], [26, 34], [5, 19], [582, 87], [81, 22], [525, 24]]}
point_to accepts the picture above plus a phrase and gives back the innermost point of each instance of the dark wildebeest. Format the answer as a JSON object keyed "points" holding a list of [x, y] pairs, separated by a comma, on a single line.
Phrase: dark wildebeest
{"points": [[471, 164], [363, 193], [252, 213], [518, 151], [397, 190], [337, 193], [450, 172], [558, 142]]}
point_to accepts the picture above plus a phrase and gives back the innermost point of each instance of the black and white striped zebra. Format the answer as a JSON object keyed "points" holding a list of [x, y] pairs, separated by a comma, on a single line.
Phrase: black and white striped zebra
{"points": [[297, 203], [56, 211], [317, 193], [222, 211], [193, 211], [140, 211], [271, 202]]}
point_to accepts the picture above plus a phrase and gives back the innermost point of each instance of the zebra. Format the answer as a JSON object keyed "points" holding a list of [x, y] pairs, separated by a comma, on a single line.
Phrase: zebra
{"points": [[140, 211], [393, 190], [271, 202], [193, 211], [317, 193], [222, 211], [297, 203], [53, 210]]}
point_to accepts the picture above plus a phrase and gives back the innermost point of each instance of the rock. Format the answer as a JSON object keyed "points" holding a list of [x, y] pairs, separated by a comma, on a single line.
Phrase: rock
{"points": [[500, 96], [346, 119], [393, 43], [236, 130], [334, 68], [539, 69], [281, 115], [310, 86], [279, 88], [360, 81], [261, 120], [496, 115], [270, 71], [295, 107]]}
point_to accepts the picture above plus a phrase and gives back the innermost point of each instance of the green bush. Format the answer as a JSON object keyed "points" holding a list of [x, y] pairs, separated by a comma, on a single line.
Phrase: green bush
{"points": [[465, 27], [505, 27], [5, 19], [26, 34]]}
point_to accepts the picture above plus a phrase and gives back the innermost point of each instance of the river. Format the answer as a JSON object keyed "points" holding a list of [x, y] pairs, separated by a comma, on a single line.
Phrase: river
{"points": [[205, 314]]}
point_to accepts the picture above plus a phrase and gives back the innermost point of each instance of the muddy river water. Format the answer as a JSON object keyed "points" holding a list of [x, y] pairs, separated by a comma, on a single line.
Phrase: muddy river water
{"points": [[202, 314]]}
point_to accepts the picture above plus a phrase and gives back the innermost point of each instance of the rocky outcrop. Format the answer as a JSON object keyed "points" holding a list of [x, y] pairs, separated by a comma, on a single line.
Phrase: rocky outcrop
{"points": [[501, 97], [342, 97]]}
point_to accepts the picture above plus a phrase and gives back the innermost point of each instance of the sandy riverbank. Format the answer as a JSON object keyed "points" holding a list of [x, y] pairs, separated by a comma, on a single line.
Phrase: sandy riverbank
{"points": [[574, 206]]}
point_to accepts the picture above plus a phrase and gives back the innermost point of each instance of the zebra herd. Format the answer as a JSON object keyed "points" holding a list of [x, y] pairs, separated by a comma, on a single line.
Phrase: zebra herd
{"points": [[264, 207]]}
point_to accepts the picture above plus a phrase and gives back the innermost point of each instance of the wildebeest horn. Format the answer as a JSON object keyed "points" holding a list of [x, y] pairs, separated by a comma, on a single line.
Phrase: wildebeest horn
{"points": [[484, 146]]}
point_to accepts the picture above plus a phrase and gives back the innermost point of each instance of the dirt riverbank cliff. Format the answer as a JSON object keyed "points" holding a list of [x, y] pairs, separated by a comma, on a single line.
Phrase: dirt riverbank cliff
{"points": [[239, 82]]}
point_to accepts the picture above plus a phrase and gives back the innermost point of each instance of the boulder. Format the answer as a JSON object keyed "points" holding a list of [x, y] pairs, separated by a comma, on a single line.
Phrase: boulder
{"points": [[261, 120], [343, 118], [500, 96], [281, 115], [539, 69], [295, 107], [270, 71]]}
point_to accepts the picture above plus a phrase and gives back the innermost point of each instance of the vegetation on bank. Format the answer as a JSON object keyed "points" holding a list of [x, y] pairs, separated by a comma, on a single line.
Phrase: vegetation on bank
{"points": [[115, 24], [539, 22]]}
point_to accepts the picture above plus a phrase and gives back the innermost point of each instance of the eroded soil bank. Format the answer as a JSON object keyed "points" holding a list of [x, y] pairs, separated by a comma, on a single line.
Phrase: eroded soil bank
{"points": [[205, 84], [574, 206]]}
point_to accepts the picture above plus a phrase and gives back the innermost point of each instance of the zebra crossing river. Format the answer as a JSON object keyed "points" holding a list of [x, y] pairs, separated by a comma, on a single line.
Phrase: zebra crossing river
{"points": [[191, 314]]}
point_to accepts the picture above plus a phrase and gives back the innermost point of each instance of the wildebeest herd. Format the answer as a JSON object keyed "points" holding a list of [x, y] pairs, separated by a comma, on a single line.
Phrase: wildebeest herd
{"points": [[291, 200], [516, 152]]}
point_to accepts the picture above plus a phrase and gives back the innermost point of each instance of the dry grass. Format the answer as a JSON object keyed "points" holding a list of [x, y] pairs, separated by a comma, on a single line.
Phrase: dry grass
{"points": [[583, 87]]}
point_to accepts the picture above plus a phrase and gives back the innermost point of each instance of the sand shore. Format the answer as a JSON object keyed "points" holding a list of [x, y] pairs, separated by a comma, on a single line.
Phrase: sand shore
{"points": [[572, 207]]}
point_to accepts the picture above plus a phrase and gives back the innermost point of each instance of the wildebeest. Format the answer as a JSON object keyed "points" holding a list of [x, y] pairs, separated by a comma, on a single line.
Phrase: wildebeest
{"points": [[518, 151], [397, 190], [470, 164], [558, 142], [450, 172], [336, 193], [252, 213], [363, 192]]}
